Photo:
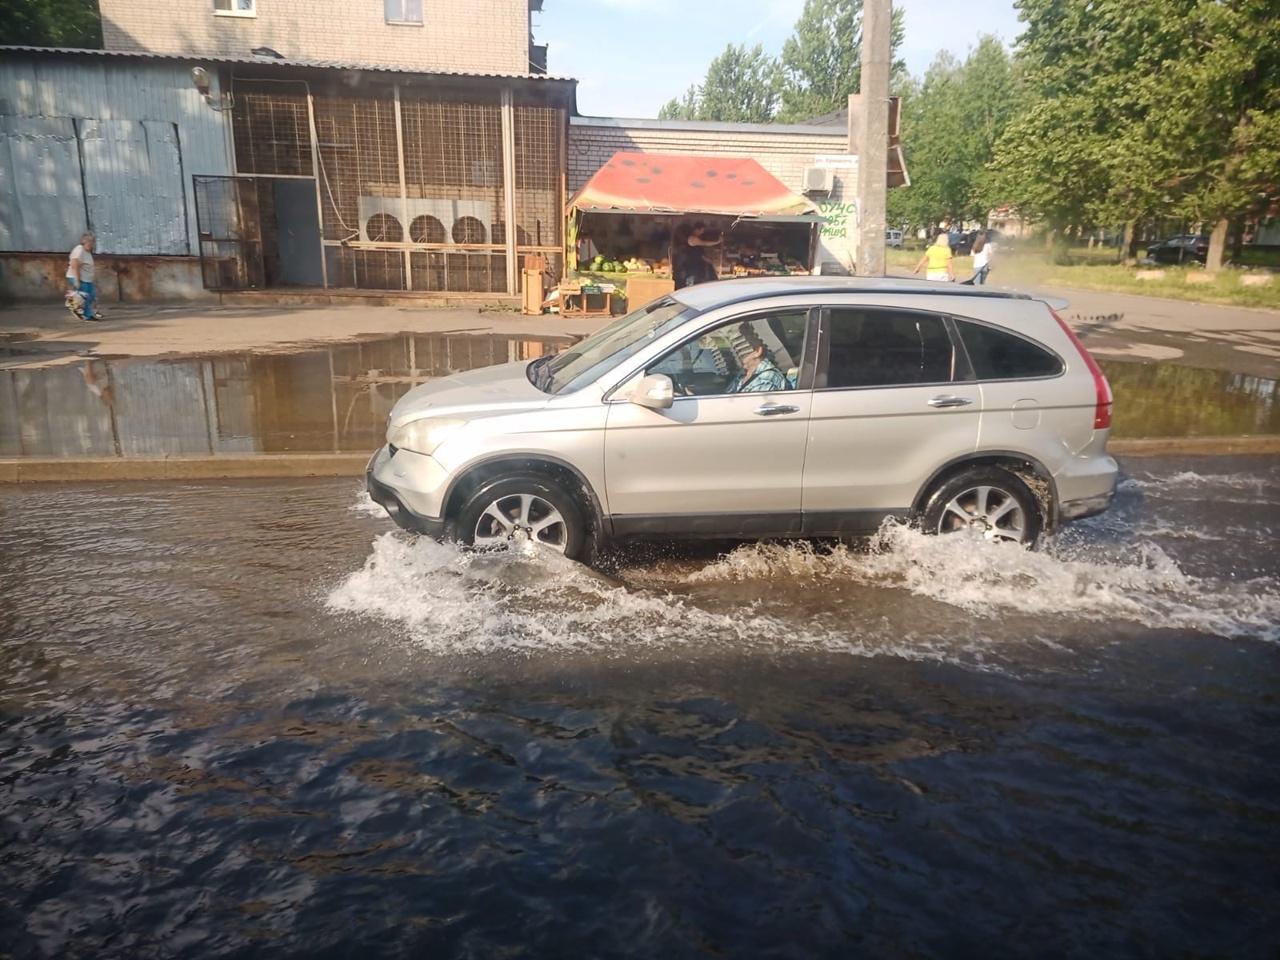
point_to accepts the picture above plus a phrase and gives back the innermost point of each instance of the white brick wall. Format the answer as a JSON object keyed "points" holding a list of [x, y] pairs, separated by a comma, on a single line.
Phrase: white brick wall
{"points": [[473, 36], [784, 151]]}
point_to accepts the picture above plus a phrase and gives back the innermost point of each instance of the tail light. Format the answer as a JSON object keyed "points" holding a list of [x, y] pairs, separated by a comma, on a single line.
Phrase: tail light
{"points": [[1101, 412]]}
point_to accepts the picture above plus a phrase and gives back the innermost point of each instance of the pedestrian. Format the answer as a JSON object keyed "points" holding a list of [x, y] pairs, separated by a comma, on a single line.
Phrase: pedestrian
{"points": [[80, 280], [689, 265], [937, 260], [981, 259]]}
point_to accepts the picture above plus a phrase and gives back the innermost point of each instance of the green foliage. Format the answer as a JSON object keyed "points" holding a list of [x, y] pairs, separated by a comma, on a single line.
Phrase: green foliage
{"points": [[50, 23], [1167, 107], [951, 121], [820, 66], [822, 61], [741, 86]]}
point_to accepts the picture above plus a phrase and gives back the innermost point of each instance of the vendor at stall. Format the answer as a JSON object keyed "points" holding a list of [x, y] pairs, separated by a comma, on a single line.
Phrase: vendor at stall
{"points": [[689, 265]]}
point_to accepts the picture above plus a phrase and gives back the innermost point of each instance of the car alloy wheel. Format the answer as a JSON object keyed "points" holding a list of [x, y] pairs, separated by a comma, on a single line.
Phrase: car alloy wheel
{"points": [[504, 512], [984, 502]]}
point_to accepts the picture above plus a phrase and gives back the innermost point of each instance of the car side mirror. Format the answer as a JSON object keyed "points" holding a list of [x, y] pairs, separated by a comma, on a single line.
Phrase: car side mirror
{"points": [[654, 391]]}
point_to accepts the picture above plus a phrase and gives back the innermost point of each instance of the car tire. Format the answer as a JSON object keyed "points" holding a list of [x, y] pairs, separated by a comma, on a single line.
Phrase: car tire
{"points": [[983, 501], [503, 509]]}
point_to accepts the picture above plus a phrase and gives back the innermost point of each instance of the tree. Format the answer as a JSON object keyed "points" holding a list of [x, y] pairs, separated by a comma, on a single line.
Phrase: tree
{"points": [[741, 86], [951, 121], [1164, 107], [822, 61], [1223, 102], [686, 109], [51, 23]]}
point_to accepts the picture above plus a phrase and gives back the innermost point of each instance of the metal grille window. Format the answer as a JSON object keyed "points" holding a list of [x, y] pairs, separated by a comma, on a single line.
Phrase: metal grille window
{"points": [[271, 134], [402, 11], [539, 161], [411, 194]]}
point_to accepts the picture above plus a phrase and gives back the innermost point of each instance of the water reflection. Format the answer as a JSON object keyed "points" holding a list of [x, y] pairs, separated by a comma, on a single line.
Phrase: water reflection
{"points": [[330, 400], [336, 399], [1169, 400]]}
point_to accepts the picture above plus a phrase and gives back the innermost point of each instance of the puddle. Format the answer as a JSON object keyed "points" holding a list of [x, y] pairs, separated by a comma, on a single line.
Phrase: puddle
{"points": [[332, 399], [335, 399], [1171, 400]]}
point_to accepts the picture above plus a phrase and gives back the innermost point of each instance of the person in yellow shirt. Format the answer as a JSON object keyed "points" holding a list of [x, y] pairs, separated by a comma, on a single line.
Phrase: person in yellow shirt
{"points": [[937, 261]]}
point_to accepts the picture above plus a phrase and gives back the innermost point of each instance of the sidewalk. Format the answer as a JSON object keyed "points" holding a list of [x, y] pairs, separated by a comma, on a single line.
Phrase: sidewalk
{"points": [[41, 335]]}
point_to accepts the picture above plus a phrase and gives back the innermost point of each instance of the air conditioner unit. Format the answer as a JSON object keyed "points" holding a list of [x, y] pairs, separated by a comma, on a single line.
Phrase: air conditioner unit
{"points": [[818, 179]]}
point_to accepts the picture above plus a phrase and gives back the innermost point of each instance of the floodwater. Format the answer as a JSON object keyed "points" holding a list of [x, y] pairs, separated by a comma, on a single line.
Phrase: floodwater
{"points": [[253, 719], [335, 399]]}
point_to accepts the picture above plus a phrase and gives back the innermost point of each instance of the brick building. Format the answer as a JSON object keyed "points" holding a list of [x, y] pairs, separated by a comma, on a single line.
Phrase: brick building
{"points": [[474, 36], [251, 144]]}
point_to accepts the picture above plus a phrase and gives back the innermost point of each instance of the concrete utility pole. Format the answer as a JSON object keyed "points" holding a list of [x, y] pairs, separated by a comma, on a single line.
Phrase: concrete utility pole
{"points": [[873, 137]]}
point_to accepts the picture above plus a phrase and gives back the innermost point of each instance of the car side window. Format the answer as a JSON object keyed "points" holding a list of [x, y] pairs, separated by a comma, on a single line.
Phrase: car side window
{"points": [[756, 354], [887, 348], [1002, 355]]}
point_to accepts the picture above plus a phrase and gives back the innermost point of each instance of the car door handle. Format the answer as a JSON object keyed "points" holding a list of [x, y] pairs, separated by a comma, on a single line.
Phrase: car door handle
{"points": [[940, 402], [773, 409]]}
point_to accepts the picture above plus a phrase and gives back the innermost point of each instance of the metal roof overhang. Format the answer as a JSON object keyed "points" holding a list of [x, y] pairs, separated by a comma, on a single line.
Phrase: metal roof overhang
{"points": [[348, 73], [784, 218]]}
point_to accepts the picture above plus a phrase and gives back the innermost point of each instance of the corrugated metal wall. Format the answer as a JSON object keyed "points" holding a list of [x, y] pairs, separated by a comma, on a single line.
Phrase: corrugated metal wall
{"points": [[103, 145]]}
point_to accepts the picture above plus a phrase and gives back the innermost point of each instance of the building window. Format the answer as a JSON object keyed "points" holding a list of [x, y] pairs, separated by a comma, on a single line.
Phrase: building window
{"points": [[402, 11], [235, 8]]}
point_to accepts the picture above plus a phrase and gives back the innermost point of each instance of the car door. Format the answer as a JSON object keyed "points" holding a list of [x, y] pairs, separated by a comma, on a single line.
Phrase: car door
{"points": [[727, 457], [893, 401]]}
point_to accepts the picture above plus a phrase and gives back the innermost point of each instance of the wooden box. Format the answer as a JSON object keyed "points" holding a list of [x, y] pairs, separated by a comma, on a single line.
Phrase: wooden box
{"points": [[640, 290]]}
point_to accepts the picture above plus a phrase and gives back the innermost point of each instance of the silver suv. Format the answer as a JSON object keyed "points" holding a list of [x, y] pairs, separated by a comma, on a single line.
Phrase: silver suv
{"points": [[765, 408]]}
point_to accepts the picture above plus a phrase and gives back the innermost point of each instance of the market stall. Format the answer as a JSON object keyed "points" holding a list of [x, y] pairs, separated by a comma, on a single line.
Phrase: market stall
{"points": [[629, 219]]}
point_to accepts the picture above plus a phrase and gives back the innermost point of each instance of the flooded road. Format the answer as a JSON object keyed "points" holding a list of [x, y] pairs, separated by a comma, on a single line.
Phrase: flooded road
{"points": [[252, 719]]}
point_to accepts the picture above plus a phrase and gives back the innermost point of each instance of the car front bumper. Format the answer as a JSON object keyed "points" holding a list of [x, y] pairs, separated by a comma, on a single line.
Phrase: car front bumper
{"points": [[410, 487]]}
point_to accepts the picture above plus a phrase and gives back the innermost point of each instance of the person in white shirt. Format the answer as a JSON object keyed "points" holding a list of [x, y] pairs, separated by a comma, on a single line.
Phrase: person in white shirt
{"points": [[80, 275], [981, 259]]}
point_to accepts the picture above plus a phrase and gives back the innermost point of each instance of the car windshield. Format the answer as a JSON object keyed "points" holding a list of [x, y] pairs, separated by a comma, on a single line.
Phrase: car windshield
{"points": [[599, 353]]}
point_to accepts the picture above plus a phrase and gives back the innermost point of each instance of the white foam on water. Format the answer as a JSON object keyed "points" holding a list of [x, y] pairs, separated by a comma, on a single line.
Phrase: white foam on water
{"points": [[452, 599], [1136, 581], [527, 599], [447, 599], [1226, 487], [366, 507]]}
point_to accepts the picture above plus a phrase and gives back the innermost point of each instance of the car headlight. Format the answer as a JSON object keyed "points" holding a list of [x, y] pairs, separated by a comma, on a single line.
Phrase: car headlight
{"points": [[423, 436]]}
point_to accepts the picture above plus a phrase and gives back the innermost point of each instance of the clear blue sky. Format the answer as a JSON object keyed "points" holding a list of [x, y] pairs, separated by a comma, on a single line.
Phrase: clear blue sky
{"points": [[632, 56]]}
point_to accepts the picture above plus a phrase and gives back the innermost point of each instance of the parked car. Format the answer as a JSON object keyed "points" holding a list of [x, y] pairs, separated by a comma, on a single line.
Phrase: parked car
{"points": [[1180, 249], [962, 242], [765, 408], [893, 238]]}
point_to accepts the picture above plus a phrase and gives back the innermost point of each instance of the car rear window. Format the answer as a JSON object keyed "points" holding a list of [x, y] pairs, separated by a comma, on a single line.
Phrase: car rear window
{"points": [[880, 348], [1001, 355]]}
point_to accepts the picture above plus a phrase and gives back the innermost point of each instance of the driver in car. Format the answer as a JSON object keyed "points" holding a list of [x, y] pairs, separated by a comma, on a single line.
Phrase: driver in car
{"points": [[759, 372]]}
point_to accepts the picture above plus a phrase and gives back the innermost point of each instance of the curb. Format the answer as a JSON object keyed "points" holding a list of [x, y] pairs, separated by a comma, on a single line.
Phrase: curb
{"points": [[117, 469], [1193, 446], [298, 465]]}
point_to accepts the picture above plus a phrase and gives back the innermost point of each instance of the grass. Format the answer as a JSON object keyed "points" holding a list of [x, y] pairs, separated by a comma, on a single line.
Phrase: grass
{"points": [[1097, 270]]}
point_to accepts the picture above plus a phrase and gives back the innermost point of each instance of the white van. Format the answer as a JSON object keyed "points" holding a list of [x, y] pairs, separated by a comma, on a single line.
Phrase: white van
{"points": [[893, 238]]}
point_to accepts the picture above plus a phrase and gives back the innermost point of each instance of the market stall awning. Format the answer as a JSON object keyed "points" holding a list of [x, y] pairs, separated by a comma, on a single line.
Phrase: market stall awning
{"points": [[674, 183]]}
